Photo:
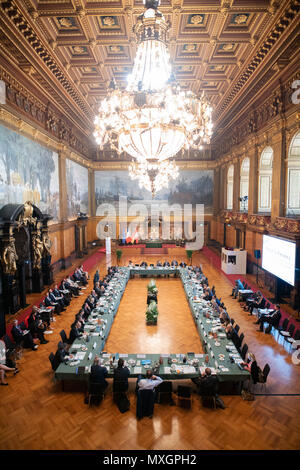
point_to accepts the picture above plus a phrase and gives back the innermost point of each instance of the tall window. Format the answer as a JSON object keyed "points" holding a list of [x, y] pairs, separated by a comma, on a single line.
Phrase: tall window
{"points": [[265, 180], [230, 187], [244, 184], [293, 181]]}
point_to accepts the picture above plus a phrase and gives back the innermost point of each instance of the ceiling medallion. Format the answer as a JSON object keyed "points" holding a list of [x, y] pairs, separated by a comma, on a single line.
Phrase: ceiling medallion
{"points": [[153, 118]]}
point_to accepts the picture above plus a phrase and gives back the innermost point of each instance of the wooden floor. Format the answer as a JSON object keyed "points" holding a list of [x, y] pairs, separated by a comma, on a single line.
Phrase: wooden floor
{"points": [[36, 414]]}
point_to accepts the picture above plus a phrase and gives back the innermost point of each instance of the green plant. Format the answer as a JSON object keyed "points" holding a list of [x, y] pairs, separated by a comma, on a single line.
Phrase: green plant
{"points": [[152, 287], [119, 254], [152, 312], [189, 254]]}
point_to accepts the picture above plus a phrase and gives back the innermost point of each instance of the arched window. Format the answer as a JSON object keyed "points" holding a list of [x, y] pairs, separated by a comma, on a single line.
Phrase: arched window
{"points": [[265, 180], [244, 184], [293, 177], [230, 187]]}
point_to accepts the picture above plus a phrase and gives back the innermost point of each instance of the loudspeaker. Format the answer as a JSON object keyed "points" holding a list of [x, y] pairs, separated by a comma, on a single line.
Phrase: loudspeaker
{"points": [[257, 254]]}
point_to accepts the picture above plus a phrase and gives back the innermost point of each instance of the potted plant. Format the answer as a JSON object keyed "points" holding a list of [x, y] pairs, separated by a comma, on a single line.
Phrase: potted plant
{"points": [[119, 255], [189, 254], [152, 313]]}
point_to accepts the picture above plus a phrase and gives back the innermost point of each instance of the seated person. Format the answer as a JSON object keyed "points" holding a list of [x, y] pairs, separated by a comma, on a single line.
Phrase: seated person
{"points": [[61, 356], [208, 385], [23, 335], [65, 297], [75, 332], [232, 334], [98, 373], [174, 263], [166, 264], [260, 303], [273, 318], [149, 382], [44, 314], [121, 374], [49, 302], [130, 264], [238, 285], [3, 369], [159, 264], [143, 264], [183, 264], [97, 289], [37, 327], [59, 300], [79, 318], [252, 367]]}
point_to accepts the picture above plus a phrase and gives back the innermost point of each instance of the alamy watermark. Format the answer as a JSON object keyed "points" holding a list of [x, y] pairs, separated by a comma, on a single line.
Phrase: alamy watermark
{"points": [[152, 221], [295, 98]]}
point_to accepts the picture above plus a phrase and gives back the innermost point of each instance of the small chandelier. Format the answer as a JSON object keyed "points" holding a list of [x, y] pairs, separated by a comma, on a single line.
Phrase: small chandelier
{"points": [[153, 175], [153, 119]]}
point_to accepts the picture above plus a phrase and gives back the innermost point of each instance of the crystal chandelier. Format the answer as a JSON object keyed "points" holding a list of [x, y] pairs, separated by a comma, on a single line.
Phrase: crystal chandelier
{"points": [[153, 175], [153, 118]]}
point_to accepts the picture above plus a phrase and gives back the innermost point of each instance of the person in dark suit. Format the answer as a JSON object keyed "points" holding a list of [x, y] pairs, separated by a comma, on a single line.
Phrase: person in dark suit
{"points": [[121, 374], [98, 373], [86, 310], [143, 264], [98, 290], [61, 356], [23, 335], [58, 300], [65, 297], [37, 327], [96, 277], [183, 264], [159, 264], [273, 318], [50, 303], [174, 263], [208, 385], [75, 332]]}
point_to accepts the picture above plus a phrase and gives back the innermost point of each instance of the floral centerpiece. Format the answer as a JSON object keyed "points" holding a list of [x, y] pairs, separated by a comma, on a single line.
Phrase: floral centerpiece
{"points": [[152, 313]]}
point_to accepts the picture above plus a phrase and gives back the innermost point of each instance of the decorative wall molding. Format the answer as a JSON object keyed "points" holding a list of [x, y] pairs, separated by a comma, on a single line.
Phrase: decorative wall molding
{"points": [[261, 223]]}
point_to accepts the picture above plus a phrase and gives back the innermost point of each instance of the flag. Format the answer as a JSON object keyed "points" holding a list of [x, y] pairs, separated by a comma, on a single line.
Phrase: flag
{"points": [[128, 237]]}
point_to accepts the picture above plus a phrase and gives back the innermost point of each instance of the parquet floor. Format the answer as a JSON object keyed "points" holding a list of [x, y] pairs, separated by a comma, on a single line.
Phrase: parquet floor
{"points": [[36, 414]]}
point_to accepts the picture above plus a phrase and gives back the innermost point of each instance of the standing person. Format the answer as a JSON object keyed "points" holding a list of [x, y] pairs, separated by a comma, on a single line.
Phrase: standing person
{"points": [[121, 374], [96, 277]]}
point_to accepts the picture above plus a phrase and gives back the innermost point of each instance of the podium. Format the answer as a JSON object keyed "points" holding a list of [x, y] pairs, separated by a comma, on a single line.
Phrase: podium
{"points": [[108, 245], [234, 261]]}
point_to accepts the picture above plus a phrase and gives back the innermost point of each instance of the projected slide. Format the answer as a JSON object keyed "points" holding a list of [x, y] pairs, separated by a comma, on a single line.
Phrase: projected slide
{"points": [[278, 257]]}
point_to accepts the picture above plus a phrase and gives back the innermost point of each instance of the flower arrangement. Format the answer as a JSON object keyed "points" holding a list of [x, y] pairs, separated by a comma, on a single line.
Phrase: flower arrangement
{"points": [[152, 289], [152, 313]]}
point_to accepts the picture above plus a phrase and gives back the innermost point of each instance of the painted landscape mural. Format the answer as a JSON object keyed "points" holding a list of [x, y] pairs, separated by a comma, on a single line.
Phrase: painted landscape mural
{"points": [[191, 187], [77, 189], [28, 172]]}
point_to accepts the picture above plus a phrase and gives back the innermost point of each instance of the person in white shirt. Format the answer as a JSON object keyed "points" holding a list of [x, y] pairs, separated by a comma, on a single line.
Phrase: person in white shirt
{"points": [[150, 382]]}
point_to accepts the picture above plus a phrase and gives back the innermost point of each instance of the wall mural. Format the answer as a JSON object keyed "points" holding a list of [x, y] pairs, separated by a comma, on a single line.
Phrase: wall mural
{"points": [[77, 189], [191, 187], [21, 178]]}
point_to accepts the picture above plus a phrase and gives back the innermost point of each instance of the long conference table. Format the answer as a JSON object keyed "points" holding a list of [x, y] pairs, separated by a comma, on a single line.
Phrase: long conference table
{"points": [[220, 355]]}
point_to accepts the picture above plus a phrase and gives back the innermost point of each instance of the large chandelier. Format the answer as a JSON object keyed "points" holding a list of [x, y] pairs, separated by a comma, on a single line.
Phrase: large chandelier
{"points": [[153, 175], [152, 119]]}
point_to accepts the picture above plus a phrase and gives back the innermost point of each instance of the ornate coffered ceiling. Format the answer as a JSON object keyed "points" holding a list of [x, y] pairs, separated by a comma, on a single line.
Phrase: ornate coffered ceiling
{"points": [[65, 52]]}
